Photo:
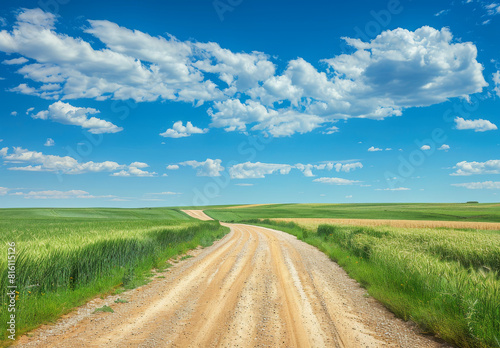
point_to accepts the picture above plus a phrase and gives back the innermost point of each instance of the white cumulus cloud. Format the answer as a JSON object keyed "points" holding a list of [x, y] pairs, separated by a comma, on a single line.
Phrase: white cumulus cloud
{"points": [[444, 147], [488, 185], [34, 161], [249, 170], [373, 149], [209, 167], [180, 131], [139, 165], [15, 61], [425, 147], [67, 114], [49, 142], [233, 115], [133, 64], [347, 167], [134, 170], [172, 167], [470, 168], [496, 81], [479, 125], [306, 169]]}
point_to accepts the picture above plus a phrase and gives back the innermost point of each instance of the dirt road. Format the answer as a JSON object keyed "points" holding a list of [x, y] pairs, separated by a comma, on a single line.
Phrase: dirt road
{"points": [[254, 288]]}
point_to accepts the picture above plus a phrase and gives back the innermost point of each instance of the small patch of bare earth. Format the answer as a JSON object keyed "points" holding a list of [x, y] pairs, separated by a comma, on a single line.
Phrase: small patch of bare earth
{"points": [[198, 214]]}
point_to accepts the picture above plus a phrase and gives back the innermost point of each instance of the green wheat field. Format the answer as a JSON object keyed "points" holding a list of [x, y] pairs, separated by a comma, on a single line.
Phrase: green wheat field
{"points": [[64, 257]]}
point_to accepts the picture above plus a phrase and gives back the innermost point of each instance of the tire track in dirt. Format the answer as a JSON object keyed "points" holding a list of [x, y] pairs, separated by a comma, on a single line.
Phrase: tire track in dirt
{"points": [[219, 299], [308, 301], [256, 287]]}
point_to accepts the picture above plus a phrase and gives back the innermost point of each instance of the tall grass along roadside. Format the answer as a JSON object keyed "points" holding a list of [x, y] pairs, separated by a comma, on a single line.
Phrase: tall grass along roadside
{"points": [[63, 262], [445, 280]]}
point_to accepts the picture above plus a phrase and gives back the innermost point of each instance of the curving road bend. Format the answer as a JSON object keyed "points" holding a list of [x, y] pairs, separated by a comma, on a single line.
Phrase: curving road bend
{"points": [[256, 287]]}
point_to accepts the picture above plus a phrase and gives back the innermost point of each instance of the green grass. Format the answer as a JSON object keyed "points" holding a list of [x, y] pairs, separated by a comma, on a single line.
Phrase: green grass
{"points": [[92, 213], [445, 280], [120, 300], [67, 256], [104, 309], [164, 266], [486, 212]]}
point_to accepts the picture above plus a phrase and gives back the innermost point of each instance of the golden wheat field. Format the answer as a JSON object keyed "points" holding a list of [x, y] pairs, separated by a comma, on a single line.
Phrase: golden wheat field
{"points": [[313, 223]]}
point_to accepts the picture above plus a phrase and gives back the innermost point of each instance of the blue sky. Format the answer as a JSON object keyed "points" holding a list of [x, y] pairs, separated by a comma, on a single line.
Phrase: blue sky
{"points": [[162, 103]]}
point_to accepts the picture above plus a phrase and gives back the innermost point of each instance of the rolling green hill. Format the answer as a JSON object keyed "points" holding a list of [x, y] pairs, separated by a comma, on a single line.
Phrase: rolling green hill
{"points": [[412, 211]]}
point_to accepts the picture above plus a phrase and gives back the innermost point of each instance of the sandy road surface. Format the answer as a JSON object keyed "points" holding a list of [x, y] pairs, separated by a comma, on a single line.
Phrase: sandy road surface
{"points": [[198, 214], [254, 288]]}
